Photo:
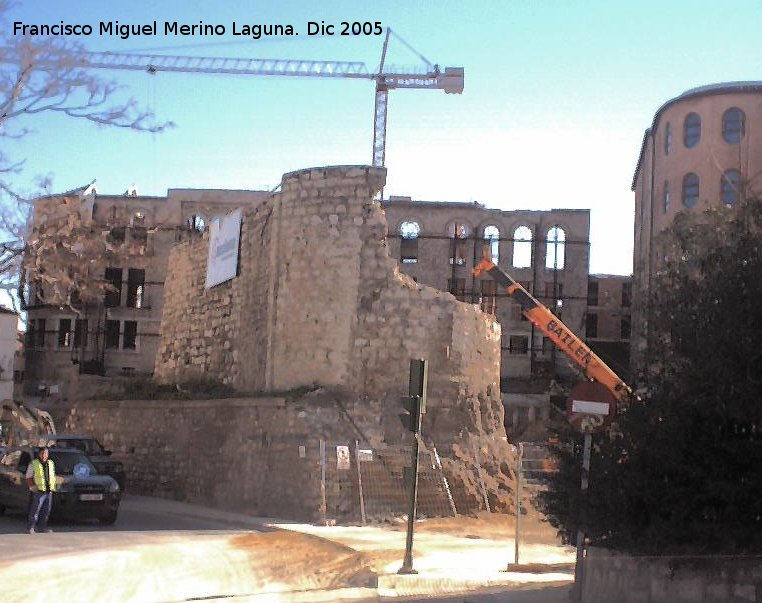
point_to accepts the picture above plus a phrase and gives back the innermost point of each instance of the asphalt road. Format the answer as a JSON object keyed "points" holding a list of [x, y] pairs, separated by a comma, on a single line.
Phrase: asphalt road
{"points": [[137, 514]]}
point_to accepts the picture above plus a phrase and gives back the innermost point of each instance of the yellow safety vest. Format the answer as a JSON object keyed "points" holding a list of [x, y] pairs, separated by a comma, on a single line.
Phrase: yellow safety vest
{"points": [[39, 475]]}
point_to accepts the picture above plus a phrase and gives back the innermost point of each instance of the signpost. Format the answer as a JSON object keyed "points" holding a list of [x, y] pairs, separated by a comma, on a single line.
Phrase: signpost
{"points": [[589, 408]]}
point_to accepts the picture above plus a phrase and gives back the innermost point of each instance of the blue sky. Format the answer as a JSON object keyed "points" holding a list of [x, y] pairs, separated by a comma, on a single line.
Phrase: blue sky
{"points": [[557, 97]]}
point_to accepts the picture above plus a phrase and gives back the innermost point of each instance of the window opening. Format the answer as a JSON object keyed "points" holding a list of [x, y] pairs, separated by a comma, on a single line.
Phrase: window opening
{"points": [[113, 295], [457, 286], [112, 334], [556, 247], [492, 236], [626, 295], [136, 278], [80, 333], [130, 335], [488, 296], [458, 233], [730, 187], [666, 197], [592, 293], [733, 125], [591, 325], [667, 139], [625, 328], [64, 332], [522, 247], [690, 189], [518, 344], [691, 130], [409, 233]]}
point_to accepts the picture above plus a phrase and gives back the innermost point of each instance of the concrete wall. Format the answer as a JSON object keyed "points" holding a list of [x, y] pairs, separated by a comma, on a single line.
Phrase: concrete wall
{"points": [[702, 579]]}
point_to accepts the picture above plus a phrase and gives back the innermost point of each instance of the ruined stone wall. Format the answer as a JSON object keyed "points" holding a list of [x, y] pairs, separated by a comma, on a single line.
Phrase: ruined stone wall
{"points": [[320, 302]]}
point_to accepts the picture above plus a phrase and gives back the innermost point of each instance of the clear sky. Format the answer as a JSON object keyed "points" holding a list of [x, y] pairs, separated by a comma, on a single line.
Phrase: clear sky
{"points": [[557, 97]]}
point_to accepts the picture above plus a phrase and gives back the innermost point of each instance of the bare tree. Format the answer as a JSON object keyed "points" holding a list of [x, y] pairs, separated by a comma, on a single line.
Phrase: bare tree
{"points": [[45, 75]]}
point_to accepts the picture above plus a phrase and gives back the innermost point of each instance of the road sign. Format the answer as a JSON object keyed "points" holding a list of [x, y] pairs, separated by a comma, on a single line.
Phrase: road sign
{"points": [[590, 407]]}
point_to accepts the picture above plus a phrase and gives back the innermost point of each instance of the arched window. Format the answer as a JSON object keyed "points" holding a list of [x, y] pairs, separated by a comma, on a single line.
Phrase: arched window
{"points": [[691, 130], [667, 139], [522, 247], [666, 196], [733, 121], [730, 187], [492, 236], [458, 233], [555, 248], [690, 189], [409, 233]]}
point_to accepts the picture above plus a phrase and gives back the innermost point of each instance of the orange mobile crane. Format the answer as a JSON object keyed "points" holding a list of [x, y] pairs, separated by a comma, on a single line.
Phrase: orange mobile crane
{"points": [[551, 326]]}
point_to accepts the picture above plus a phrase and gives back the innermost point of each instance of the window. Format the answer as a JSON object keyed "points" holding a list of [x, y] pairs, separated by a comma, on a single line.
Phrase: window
{"points": [[665, 200], [733, 125], [409, 233], [116, 235], [64, 332], [690, 189], [136, 279], [730, 186], [554, 290], [112, 334], [113, 295], [626, 295], [197, 223], [592, 293], [139, 235], [555, 248], [522, 247], [547, 346], [591, 325], [457, 286], [667, 139], [80, 333], [691, 130], [492, 236], [489, 296], [624, 328], [130, 335], [36, 333], [518, 344], [458, 233]]}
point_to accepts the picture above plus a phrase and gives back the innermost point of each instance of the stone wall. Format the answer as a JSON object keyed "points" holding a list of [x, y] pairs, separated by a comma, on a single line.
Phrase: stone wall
{"points": [[702, 579], [319, 302]]}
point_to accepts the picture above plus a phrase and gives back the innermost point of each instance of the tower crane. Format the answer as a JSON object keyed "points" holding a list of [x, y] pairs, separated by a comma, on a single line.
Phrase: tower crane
{"points": [[449, 79]]}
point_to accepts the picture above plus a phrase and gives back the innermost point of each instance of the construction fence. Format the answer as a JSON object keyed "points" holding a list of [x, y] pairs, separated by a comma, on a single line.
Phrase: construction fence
{"points": [[369, 484]]}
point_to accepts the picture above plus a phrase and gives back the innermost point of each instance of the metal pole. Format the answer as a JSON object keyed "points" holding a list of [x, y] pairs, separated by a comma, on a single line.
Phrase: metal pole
{"points": [[579, 565], [407, 564], [517, 538], [359, 481], [323, 503]]}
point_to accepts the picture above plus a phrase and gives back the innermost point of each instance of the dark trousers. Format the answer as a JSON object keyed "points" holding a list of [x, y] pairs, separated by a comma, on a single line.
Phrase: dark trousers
{"points": [[40, 504]]}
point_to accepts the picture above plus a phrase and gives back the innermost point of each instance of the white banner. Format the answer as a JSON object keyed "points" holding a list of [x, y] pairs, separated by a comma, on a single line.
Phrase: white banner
{"points": [[224, 238]]}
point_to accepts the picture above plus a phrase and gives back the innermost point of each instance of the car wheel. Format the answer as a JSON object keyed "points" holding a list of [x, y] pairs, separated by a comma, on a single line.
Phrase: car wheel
{"points": [[109, 520]]}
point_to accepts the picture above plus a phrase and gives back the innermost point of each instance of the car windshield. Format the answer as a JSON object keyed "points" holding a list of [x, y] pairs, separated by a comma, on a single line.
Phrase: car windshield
{"points": [[65, 461], [86, 445]]}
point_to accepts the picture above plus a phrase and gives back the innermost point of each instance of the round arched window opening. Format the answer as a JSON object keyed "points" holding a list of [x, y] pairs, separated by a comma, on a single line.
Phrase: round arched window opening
{"points": [[410, 230], [691, 130]]}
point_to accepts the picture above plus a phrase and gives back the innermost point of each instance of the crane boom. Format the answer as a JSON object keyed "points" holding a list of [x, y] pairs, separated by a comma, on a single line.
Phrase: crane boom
{"points": [[450, 79], [562, 337]]}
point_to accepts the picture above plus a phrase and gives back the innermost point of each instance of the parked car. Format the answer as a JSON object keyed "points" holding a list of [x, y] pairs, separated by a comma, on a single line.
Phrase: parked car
{"points": [[92, 448], [81, 492]]}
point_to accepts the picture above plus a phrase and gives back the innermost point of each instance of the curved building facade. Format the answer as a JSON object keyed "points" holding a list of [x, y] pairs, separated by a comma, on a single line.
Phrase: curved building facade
{"points": [[704, 148]]}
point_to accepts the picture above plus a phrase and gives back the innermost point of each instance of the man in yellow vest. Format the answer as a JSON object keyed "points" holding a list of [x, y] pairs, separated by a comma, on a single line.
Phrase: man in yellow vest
{"points": [[41, 479]]}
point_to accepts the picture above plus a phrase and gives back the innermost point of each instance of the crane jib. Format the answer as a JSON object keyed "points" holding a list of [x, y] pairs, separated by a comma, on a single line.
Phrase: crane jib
{"points": [[576, 346]]}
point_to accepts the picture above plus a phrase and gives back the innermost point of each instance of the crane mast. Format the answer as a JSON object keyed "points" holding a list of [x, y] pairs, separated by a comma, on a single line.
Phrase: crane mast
{"points": [[450, 79]]}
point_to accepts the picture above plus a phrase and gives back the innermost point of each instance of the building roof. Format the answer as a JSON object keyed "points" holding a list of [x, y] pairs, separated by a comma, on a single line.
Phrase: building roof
{"points": [[742, 87]]}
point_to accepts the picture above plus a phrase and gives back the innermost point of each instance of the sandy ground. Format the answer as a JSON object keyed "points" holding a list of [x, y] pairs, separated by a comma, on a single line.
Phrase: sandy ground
{"points": [[301, 562]]}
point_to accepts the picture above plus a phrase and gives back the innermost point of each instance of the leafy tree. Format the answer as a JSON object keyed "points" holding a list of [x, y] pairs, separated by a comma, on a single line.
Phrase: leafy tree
{"points": [[45, 75], [683, 469]]}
